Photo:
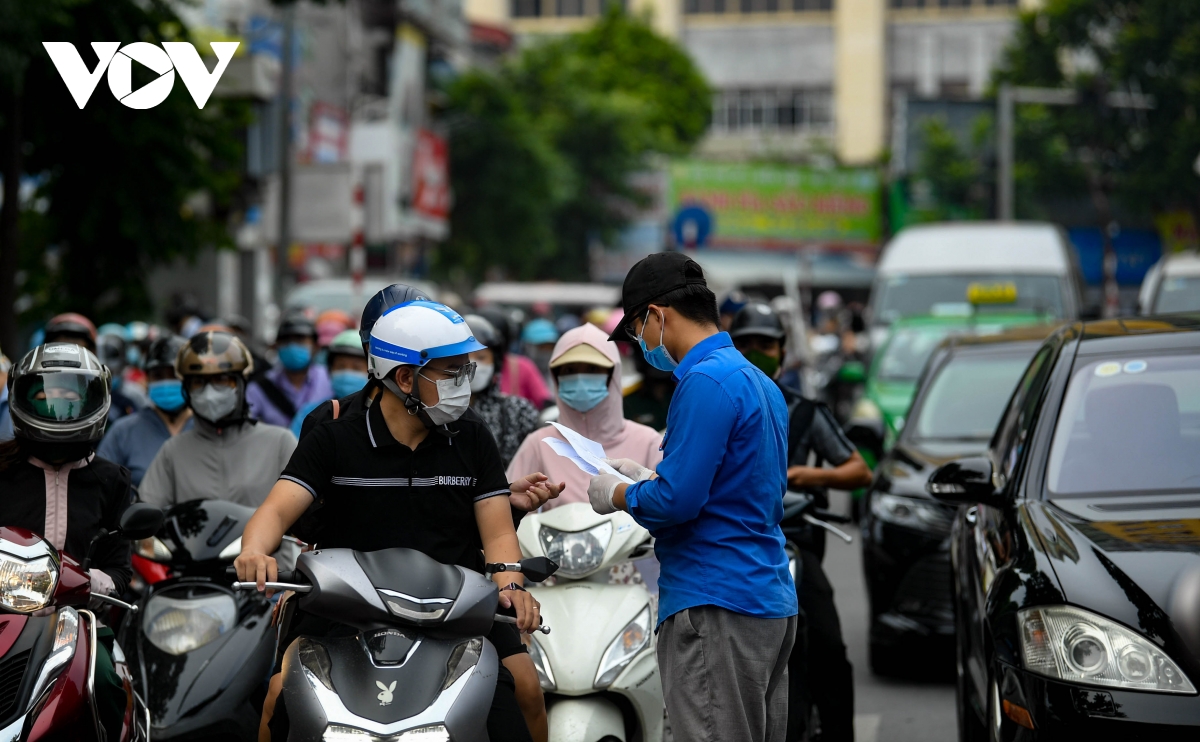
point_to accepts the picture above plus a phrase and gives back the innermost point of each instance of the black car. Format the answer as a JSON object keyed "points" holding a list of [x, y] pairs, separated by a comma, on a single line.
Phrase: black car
{"points": [[1076, 552], [906, 532]]}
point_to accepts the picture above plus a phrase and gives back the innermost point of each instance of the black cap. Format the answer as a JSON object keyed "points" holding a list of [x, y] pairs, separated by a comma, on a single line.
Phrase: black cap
{"points": [[651, 278], [757, 320], [383, 300]]}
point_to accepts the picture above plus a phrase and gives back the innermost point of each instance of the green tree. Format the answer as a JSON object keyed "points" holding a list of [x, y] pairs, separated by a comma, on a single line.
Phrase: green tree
{"points": [[119, 190], [586, 111], [1143, 158]]}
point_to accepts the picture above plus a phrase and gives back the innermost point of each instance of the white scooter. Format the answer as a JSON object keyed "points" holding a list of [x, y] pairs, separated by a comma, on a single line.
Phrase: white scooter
{"points": [[598, 669]]}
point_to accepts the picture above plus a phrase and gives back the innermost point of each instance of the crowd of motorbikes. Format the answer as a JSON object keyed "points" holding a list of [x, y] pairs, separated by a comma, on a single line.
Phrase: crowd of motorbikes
{"points": [[194, 648]]}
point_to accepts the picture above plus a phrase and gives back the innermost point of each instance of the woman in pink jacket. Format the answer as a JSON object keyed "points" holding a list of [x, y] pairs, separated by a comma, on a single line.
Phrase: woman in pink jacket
{"points": [[587, 371]]}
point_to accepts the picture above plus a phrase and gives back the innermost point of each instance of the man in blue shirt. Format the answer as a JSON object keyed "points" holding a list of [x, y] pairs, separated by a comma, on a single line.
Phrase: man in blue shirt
{"points": [[727, 605], [134, 440]]}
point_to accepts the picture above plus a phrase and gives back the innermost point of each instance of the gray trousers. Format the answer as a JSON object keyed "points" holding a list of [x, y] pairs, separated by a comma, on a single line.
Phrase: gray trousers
{"points": [[724, 675]]}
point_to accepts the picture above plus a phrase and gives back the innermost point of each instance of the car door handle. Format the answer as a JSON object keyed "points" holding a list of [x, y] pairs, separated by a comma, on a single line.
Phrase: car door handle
{"points": [[972, 514]]}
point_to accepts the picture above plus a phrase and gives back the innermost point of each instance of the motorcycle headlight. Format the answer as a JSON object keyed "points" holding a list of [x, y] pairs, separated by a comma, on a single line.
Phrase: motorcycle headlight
{"points": [[632, 639], [432, 733], [577, 553], [181, 625], [541, 663], [26, 586], [232, 550], [66, 632], [912, 512], [153, 549], [1079, 646], [462, 658]]}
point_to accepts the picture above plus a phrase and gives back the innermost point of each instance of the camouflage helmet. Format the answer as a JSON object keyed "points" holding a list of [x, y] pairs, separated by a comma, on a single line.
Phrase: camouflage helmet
{"points": [[214, 352]]}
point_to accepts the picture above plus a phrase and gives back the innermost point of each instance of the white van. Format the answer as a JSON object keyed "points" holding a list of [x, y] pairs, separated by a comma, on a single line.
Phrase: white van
{"points": [[933, 269]]}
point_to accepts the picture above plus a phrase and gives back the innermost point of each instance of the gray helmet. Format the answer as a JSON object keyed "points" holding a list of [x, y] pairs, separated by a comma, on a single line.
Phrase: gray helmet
{"points": [[60, 393]]}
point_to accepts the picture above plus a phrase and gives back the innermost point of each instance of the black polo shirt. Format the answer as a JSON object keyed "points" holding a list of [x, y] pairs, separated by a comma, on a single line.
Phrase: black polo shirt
{"points": [[376, 493]]}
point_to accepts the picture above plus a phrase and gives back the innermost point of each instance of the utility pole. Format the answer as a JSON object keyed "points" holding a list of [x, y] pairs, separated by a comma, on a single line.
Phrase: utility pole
{"points": [[285, 149], [1007, 99]]}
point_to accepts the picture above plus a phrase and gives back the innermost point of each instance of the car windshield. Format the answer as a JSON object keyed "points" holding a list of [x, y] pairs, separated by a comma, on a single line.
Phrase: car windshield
{"points": [[908, 296], [964, 401], [1178, 294], [1129, 425], [908, 350]]}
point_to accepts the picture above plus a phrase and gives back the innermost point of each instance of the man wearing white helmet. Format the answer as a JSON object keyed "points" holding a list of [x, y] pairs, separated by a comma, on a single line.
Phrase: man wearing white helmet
{"points": [[446, 493]]}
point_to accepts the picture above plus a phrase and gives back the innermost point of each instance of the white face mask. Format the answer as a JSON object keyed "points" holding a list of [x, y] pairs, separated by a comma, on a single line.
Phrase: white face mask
{"points": [[214, 404], [483, 376], [453, 400]]}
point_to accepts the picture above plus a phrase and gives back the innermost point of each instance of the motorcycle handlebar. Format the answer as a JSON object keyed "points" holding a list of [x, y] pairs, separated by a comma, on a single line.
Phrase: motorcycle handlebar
{"points": [[283, 575], [293, 586], [509, 619]]}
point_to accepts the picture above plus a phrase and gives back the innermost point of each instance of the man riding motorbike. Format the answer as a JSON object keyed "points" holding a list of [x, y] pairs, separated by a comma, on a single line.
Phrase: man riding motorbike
{"points": [[759, 334], [55, 486], [134, 440], [227, 455], [409, 471]]}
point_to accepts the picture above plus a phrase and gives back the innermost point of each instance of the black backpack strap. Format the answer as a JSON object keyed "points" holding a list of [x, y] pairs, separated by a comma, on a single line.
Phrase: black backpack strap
{"points": [[277, 397]]}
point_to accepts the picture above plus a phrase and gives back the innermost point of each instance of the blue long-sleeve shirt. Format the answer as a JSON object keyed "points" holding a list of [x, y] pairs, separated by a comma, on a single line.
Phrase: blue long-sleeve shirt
{"points": [[718, 499]]}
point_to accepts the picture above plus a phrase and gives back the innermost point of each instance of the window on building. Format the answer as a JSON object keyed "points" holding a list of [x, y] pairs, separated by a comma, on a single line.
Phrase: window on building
{"points": [[570, 8], [693, 7], [786, 110], [526, 8], [760, 6]]}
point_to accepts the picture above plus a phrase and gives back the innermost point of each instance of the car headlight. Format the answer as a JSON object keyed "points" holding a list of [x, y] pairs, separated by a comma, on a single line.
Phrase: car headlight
{"points": [[181, 625], [153, 549], [632, 639], [432, 733], [26, 586], [541, 663], [1079, 646], [912, 512], [576, 552]]}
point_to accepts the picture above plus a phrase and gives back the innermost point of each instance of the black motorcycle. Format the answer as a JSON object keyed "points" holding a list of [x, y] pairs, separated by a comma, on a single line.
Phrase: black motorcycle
{"points": [[201, 652]]}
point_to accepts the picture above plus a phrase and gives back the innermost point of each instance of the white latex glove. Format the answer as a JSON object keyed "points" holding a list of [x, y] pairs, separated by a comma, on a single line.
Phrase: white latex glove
{"points": [[601, 490], [631, 469]]}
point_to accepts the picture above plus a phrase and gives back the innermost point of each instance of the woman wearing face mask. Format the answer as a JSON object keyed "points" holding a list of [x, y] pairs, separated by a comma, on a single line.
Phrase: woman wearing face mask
{"points": [[587, 371], [347, 364], [134, 440], [227, 455], [55, 486], [509, 418]]}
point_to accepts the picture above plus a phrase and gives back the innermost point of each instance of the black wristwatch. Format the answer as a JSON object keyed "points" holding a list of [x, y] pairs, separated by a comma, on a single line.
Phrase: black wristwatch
{"points": [[513, 586]]}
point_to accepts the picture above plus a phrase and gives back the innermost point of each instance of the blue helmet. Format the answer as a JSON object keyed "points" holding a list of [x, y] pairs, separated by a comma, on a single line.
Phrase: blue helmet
{"points": [[385, 299]]}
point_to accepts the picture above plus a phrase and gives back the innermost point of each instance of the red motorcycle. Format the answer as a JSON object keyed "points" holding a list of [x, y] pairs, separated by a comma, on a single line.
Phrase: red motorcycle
{"points": [[48, 640]]}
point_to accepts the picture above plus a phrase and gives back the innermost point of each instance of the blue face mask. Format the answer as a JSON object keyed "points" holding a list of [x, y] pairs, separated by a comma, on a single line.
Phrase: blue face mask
{"points": [[167, 395], [295, 357], [347, 382], [659, 358], [582, 392]]}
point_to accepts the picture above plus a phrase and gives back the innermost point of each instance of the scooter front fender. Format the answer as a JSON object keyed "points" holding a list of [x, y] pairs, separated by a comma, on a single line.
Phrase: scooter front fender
{"points": [[585, 720]]}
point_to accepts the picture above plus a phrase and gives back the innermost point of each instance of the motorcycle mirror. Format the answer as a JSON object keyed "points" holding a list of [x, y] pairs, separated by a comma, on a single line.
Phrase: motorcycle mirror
{"points": [[538, 568], [140, 520]]}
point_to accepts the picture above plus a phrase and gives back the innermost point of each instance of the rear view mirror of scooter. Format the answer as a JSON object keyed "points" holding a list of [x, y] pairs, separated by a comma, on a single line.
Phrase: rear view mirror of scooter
{"points": [[537, 569]]}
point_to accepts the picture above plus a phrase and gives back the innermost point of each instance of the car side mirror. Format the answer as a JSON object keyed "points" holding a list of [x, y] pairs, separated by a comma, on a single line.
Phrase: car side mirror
{"points": [[538, 569], [140, 520], [967, 480]]}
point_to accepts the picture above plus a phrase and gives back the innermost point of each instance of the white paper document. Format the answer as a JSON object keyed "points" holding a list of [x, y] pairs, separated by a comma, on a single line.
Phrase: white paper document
{"points": [[587, 454]]}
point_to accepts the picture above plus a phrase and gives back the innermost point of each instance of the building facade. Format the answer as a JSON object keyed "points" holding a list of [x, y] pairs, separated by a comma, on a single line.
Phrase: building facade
{"points": [[804, 78]]}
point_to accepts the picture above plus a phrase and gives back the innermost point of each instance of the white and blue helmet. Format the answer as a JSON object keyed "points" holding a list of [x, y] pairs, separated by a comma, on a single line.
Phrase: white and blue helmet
{"points": [[414, 333]]}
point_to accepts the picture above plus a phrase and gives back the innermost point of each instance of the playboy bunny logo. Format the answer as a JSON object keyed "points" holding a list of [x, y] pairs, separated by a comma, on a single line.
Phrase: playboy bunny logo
{"points": [[385, 695]]}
